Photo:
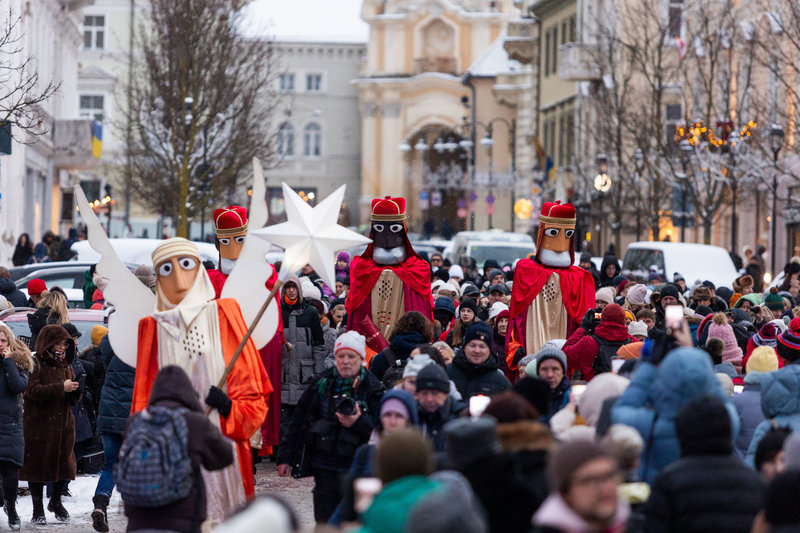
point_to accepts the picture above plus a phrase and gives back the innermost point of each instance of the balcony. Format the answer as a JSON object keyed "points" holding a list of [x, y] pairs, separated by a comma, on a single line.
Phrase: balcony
{"points": [[446, 65], [578, 62], [522, 38], [72, 144]]}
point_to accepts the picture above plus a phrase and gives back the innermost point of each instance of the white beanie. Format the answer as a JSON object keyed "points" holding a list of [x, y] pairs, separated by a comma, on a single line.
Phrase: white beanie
{"points": [[496, 309], [606, 294], [637, 328], [352, 340], [417, 363], [456, 272], [309, 289]]}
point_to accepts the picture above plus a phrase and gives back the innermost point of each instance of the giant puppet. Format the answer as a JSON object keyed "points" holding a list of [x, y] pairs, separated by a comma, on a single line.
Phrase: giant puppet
{"points": [[550, 295], [389, 278]]}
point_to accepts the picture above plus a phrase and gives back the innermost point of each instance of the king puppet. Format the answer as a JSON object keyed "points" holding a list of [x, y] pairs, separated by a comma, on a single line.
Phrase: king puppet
{"points": [[550, 295], [389, 278]]}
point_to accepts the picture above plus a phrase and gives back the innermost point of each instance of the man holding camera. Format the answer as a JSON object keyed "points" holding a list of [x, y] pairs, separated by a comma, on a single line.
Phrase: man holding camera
{"points": [[334, 416]]}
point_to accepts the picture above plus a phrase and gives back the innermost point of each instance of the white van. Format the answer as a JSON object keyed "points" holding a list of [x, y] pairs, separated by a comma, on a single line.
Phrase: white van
{"points": [[503, 246], [692, 261]]}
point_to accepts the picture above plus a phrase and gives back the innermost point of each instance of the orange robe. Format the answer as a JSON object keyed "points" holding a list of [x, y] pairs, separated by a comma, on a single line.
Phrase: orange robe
{"points": [[248, 385]]}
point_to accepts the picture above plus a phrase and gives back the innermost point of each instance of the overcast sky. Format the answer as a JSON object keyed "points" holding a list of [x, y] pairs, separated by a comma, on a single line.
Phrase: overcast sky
{"points": [[316, 19]]}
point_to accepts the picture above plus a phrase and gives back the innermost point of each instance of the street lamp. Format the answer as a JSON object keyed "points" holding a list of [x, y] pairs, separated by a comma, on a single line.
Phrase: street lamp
{"points": [[638, 163], [775, 142], [602, 184], [686, 148]]}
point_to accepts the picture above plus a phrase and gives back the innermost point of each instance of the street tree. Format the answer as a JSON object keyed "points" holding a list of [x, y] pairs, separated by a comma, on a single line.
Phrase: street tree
{"points": [[202, 101]]}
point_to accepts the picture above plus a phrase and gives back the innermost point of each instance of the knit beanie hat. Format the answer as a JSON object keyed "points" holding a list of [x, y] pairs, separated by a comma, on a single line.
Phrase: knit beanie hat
{"points": [[479, 331], [569, 457], [547, 352], [470, 439], [762, 359], [637, 294], [432, 377], [445, 303], [670, 290], [404, 452], [767, 335], [393, 405], [622, 284], [789, 341], [637, 329], [496, 309], [613, 313], [703, 310], [725, 293], [734, 298], [352, 340], [774, 301], [703, 426], [36, 287], [535, 390], [605, 295], [469, 303], [456, 272], [720, 328], [98, 332], [416, 364]]}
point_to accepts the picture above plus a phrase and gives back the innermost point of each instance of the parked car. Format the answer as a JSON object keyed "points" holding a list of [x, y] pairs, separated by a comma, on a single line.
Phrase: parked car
{"points": [[692, 261], [504, 246], [69, 278], [138, 251], [22, 271], [83, 319]]}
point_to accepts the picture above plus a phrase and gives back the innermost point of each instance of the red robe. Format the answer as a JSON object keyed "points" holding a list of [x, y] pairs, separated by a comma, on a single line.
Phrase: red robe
{"points": [[577, 293], [271, 356], [247, 385]]}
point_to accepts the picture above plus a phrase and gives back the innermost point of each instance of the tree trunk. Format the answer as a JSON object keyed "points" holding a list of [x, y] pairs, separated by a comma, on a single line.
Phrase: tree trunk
{"points": [[707, 231]]}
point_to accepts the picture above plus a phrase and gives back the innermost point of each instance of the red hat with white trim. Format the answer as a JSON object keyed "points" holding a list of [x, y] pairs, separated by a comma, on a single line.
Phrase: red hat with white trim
{"points": [[231, 220], [389, 209]]}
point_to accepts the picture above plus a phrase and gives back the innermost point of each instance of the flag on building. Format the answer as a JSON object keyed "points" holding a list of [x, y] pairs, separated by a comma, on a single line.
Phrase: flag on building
{"points": [[97, 138], [545, 163]]}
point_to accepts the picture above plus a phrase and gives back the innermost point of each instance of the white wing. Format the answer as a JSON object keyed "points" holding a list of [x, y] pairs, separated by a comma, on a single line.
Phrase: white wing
{"points": [[246, 282], [132, 301]]}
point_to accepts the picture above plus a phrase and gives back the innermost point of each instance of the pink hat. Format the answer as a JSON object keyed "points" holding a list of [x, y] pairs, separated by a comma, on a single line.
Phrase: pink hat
{"points": [[720, 328]]}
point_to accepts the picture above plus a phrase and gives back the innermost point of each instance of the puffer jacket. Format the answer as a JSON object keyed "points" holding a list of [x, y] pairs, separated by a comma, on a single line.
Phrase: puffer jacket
{"points": [[654, 397], [304, 347], [471, 379], [115, 398], [780, 402], [581, 355], [14, 296], [14, 373], [748, 405]]}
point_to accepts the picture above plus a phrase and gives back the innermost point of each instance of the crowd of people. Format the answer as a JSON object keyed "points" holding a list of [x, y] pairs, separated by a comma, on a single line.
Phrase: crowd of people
{"points": [[641, 419]]}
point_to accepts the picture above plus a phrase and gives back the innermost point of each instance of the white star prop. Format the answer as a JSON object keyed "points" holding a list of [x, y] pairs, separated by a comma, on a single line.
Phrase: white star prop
{"points": [[311, 235]]}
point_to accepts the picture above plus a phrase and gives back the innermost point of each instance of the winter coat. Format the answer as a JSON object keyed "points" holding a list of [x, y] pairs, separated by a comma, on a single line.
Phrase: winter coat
{"points": [[14, 296], [748, 405], [92, 359], [780, 402], [558, 398], [432, 423], [14, 374], [47, 420], [303, 350], [88, 288], [399, 349], [530, 442], [701, 493], [83, 428], [329, 334], [654, 397], [22, 254], [39, 319], [206, 446], [472, 379], [314, 425], [581, 355], [115, 398], [390, 509], [606, 281]]}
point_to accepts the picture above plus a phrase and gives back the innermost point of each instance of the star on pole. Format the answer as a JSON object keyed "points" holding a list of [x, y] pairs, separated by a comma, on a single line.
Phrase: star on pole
{"points": [[311, 235]]}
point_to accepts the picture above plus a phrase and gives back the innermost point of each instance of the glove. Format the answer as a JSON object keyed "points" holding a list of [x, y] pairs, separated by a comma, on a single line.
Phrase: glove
{"points": [[219, 400]]}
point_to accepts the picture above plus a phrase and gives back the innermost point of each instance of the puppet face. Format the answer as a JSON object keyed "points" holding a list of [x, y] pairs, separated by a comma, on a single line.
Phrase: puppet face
{"points": [[175, 277], [389, 243], [555, 245], [230, 246]]}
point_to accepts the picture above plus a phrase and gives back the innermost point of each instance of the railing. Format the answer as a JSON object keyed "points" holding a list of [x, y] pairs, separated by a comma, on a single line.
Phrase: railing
{"points": [[578, 62]]}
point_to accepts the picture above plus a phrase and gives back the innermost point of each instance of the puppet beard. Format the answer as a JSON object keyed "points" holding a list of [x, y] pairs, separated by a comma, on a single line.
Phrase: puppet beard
{"points": [[555, 259], [389, 256], [226, 265]]}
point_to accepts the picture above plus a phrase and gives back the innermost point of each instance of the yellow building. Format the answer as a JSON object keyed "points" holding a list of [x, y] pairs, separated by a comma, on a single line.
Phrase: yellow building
{"points": [[428, 63]]}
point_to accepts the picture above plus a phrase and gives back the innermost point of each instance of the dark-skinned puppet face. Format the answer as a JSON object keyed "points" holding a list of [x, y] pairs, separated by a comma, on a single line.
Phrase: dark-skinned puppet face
{"points": [[555, 243], [388, 232]]}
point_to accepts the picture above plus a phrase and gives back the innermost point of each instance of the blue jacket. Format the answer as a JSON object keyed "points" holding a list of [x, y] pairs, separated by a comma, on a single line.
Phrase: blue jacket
{"points": [[748, 405], [780, 401], [115, 399], [655, 396]]}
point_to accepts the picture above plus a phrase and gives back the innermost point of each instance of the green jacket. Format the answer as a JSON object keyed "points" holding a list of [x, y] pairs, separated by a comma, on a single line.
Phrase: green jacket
{"points": [[391, 507]]}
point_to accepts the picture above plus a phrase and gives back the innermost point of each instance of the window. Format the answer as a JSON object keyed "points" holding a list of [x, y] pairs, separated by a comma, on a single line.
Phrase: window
{"points": [[91, 106], [673, 116], [94, 29], [313, 83], [285, 140], [547, 53], [563, 31], [562, 141], [572, 23], [312, 140], [555, 49], [286, 83], [675, 16]]}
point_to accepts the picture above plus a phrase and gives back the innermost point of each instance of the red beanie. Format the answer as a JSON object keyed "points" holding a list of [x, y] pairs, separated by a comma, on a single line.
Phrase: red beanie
{"points": [[36, 287], [613, 313]]}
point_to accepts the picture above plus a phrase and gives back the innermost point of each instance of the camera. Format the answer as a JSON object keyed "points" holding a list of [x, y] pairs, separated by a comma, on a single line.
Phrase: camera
{"points": [[344, 405]]}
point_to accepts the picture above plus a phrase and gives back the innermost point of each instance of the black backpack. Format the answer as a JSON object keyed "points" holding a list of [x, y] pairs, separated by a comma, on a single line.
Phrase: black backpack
{"points": [[606, 351], [394, 373]]}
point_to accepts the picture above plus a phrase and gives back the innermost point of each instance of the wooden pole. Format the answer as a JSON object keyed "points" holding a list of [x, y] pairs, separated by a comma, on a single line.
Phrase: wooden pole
{"points": [[224, 378]]}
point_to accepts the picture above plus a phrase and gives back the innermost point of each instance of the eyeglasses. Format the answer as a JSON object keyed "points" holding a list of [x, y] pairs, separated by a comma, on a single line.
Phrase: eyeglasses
{"points": [[597, 480]]}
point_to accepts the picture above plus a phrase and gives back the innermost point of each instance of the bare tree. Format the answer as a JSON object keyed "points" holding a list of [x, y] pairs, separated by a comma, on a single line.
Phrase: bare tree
{"points": [[21, 91], [202, 102]]}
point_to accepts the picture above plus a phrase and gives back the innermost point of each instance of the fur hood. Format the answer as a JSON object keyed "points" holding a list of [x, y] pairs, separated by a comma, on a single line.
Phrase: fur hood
{"points": [[525, 435], [49, 337], [21, 356]]}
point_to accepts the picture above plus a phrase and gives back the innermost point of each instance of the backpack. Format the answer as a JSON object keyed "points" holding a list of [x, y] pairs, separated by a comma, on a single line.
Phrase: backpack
{"points": [[154, 468], [606, 351], [394, 373]]}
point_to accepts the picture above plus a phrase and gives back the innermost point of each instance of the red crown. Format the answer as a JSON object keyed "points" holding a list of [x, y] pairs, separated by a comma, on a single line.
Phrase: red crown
{"points": [[389, 209], [231, 220], [557, 213]]}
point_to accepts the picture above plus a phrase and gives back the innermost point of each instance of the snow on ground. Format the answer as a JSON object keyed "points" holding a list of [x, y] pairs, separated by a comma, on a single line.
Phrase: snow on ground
{"points": [[79, 506]]}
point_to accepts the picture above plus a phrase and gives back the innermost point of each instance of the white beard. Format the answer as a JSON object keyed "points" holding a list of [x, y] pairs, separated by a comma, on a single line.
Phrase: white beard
{"points": [[555, 259], [389, 256], [226, 265]]}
